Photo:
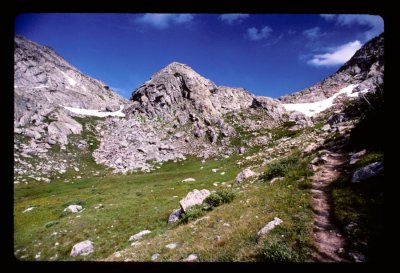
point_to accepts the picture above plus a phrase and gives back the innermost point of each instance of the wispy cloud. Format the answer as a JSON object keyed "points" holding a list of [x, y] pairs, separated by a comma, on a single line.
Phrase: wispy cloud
{"points": [[255, 35], [337, 56], [373, 22], [164, 20], [276, 40], [232, 18], [313, 33]]}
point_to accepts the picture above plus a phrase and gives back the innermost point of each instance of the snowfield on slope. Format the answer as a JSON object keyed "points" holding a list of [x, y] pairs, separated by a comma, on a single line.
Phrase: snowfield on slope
{"points": [[96, 113], [312, 108]]}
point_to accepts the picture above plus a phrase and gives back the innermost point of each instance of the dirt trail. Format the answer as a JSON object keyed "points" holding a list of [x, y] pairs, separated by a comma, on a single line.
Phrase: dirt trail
{"points": [[328, 240]]}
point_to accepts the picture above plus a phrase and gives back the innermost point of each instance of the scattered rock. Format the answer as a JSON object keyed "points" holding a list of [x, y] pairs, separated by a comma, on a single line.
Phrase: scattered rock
{"points": [[175, 215], [188, 180], [73, 208], [136, 243], [171, 246], [83, 248], [273, 180], [310, 148], [272, 224], [368, 171], [357, 257], [336, 118], [139, 235], [155, 256], [28, 209], [193, 198], [355, 157], [99, 206], [246, 173], [191, 258]]}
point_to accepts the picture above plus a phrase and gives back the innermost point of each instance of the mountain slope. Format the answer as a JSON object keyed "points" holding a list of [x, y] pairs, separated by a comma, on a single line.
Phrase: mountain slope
{"points": [[178, 112], [44, 84], [365, 69], [43, 81]]}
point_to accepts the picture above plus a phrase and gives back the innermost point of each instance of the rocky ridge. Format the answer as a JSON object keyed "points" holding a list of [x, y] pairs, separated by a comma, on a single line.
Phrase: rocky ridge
{"points": [[365, 68]]}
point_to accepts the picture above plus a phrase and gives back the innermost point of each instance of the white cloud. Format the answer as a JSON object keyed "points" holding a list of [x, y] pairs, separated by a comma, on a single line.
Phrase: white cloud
{"points": [[313, 33], [233, 18], [373, 22], [339, 55], [254, 34], [164, 20]]}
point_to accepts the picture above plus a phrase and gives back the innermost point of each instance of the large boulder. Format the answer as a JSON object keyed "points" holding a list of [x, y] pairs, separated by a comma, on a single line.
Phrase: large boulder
{"points": [[83, 248], [368, 171], [193, 198]]}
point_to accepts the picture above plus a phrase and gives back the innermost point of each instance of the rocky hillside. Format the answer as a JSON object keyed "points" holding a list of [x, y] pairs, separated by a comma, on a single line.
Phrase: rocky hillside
{"points": [[178, 112], [365, 69], [44, 84], [43, 81]]}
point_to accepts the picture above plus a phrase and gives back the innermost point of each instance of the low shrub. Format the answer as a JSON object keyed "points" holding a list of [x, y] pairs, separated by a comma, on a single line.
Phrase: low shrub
{"points": [[220, 197], [280, 168], [278, 252], [193, 213]]}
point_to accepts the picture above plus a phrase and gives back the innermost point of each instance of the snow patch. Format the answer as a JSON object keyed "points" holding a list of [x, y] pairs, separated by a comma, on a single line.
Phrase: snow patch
{"points": [[312, 108], [96, 113]]}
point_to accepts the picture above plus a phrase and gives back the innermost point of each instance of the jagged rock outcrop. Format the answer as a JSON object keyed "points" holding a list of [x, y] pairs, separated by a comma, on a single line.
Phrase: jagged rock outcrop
{"points": [[365, 68], [178, 112]]}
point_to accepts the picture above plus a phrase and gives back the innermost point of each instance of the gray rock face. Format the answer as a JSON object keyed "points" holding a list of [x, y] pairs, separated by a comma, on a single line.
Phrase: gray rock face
{"points": [[246, 173], [365, 68], [83, 248], [368, 171], [193, 198]]}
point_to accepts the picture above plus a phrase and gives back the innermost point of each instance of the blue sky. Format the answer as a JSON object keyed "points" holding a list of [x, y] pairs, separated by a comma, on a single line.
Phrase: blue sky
{"points": [[267, 54]]}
